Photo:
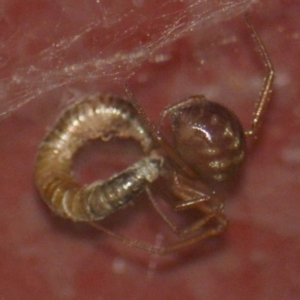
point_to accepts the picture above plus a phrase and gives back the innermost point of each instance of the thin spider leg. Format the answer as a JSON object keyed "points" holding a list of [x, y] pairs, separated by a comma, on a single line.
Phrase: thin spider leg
{"points": [[216, 203], [174, 107], [128, 241], [179, 187], [156, 135], [218, 217], [143, 116], [192, 197], [189, 196], [265, 94], [160, 250], [190, 203], [209, 215], [163, 216], [182, 244], [211, 211], [175, 158], [210, 206]]}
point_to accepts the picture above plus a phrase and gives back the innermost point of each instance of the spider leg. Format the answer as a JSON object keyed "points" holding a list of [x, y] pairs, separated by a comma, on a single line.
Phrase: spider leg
{"points": [[265, 94], [190, 235], [217, 217], [172, 108], [156, 135], [210, 207], [183, 243], [193, 196], [128, 241], [200, 199]]}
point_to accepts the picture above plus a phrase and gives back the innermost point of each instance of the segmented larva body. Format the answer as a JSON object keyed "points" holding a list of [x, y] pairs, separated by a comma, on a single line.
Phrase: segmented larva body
{"points": [[95, 117]]}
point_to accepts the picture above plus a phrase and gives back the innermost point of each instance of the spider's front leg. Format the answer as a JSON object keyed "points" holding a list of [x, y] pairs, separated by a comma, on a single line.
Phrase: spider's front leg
{"points": [[265, 95]]}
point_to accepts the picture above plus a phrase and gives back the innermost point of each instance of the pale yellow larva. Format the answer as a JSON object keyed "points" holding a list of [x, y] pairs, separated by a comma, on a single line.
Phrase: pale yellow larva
{"points": [[94, 117]]}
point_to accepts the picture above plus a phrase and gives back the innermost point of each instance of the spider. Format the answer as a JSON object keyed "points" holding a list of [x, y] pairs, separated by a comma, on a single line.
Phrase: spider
{"points": [[209, 143]]}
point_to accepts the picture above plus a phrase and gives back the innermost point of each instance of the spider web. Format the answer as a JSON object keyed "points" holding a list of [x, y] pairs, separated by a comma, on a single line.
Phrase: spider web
{"points": [[53, 44]]}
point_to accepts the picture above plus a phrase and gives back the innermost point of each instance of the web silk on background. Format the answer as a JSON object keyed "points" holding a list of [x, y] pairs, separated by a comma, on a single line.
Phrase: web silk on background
{"points": [[62, 43]]}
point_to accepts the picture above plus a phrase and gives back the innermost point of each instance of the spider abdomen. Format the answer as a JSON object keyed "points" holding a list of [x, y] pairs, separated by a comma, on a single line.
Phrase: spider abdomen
{"points": [[209, 138]]}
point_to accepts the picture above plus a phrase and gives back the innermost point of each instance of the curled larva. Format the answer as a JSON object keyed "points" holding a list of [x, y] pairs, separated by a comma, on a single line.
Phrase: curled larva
{"points": [[95, 117]]}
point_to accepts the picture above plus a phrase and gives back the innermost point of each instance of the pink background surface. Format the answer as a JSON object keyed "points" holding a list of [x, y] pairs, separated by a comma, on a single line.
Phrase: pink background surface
{"points": [[43, 257]]}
